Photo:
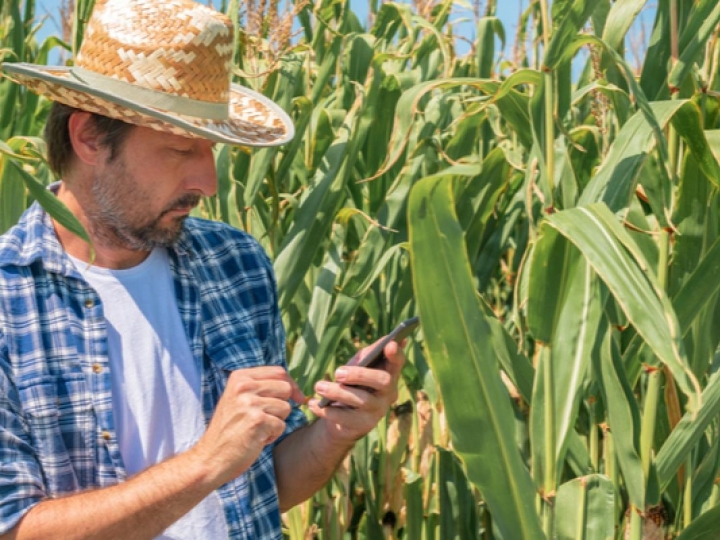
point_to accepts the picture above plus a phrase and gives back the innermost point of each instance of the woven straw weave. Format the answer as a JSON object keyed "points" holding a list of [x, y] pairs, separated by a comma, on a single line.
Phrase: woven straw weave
{"points": [[137, 54], [190, 53]]}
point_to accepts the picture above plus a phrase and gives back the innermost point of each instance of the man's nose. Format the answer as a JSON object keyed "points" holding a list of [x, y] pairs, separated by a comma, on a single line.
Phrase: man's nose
{"points": [[203, 176]]}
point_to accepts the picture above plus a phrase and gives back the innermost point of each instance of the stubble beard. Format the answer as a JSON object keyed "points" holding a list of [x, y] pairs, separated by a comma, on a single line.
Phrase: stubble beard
{"points": [[118, 218]]}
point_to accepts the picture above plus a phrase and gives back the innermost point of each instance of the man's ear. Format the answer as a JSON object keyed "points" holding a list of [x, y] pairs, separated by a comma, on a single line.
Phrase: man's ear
{"points": [[84, 137]]}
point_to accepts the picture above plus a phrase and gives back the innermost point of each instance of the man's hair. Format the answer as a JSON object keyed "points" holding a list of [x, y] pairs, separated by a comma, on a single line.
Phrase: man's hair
{"points": [[57, 136]]}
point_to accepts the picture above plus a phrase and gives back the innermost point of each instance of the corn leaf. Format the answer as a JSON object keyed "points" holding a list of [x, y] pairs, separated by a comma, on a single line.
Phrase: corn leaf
{"points": [[623, 417], [585, 509], [458, 341], [698, 30], [619, 20], [686, 434], [564, 309], [601, 239], [51, 203], [704, 527], [615, 182], [573, 20]]}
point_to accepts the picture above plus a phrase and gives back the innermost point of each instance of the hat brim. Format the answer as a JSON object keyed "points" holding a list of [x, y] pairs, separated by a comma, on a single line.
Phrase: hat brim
{"points": [[253, 119]]}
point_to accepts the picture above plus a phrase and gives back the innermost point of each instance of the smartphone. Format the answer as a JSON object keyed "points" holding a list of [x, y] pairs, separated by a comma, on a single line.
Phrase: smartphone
{"points": [[375, 355]]}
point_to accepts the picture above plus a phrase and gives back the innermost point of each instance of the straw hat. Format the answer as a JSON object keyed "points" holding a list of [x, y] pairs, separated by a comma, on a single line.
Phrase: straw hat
{"points": [[163, 64]]}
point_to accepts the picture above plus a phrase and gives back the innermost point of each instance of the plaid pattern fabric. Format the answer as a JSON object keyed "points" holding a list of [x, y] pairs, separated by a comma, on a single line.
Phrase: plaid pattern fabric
{"points": [[56, 424]]}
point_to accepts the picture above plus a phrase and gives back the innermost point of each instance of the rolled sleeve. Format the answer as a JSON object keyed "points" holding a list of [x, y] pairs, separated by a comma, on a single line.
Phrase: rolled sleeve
{"points": [[275, 353], [21, 484], [295, 420]]}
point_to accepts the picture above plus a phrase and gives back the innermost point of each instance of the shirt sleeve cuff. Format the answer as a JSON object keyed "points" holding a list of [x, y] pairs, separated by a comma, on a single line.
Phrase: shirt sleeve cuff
{"points": [[16, 505], [296, 419]]}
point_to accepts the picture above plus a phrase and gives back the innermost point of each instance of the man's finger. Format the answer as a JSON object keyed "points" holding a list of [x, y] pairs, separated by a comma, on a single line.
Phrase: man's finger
{"points": [[394, 358], [297, 394], [262, 373], [269, 376], [375, 379]]}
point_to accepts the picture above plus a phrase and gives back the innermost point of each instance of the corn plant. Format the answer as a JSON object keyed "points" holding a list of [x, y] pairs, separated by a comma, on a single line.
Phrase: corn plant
{"points": [[599, 300], [552, 217]]}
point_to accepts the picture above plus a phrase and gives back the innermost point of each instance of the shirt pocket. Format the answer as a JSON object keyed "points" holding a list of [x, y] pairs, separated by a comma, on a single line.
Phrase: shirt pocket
{"points": [[62, 425]]}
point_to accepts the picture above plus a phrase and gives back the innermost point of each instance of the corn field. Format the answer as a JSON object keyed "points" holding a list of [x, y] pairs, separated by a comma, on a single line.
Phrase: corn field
{"points": [[553, 218]]}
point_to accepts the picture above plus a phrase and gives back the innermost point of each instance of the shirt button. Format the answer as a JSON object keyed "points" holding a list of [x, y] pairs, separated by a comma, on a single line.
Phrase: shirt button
{"points": [[105, 435], [89, 303], [97, 368]]}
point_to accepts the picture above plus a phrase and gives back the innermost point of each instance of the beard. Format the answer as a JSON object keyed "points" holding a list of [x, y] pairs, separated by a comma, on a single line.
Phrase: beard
{"points": [[120, 217]]}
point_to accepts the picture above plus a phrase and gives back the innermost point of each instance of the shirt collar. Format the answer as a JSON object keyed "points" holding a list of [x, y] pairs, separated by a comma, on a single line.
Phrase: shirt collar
{"points": [[34, 238]]}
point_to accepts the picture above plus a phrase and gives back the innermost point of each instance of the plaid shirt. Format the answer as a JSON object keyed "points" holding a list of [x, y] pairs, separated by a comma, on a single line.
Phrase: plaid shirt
{"points": [[57, 434]]}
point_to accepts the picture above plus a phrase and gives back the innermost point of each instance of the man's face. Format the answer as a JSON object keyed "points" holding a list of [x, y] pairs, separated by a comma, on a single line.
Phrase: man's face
{"points": [[142, 195]]}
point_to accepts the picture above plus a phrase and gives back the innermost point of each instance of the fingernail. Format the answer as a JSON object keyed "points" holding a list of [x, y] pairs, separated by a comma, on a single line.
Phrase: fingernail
{"points": [[341, 374], [321, 387]]}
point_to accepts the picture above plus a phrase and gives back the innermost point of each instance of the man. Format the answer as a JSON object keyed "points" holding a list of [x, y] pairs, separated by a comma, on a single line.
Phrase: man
{"points": [[143, 386]]}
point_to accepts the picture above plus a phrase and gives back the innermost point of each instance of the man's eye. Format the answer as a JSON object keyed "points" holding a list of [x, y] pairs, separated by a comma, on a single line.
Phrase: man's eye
{"points": [[182, 151]]}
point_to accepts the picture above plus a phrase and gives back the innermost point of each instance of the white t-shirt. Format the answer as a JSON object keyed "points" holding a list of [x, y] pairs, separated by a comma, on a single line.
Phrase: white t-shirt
{"points": [[155, 380]]}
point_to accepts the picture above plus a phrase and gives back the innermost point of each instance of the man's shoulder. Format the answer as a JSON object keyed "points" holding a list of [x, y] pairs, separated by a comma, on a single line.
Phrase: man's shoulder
{"points": [[20, 244], [214, 239], [11, 243], [207, 234]]}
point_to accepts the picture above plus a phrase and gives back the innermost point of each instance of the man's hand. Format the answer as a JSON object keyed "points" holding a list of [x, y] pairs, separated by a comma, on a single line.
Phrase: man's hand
{"points": [[360, 396], [250, 414], [307, 458]]}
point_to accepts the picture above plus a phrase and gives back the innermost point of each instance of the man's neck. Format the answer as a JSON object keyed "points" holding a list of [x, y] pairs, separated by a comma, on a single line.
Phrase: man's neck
{"points": [[100, 253]]}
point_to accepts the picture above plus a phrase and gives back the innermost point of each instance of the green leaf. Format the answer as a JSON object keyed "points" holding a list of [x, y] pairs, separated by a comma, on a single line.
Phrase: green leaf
{"points": [[704, 527], [512, 105], [303, 113], [615, 182], [358, 57], [414, 511], [513, 362], [623, 417], [313, 218], [12, 195], [699, 288], [701, 27], [457, 504], [549, 279], [306, 367], [224, 198], [458, 341], [655, 68], [479, 199], [519, 78], [688, 123], [564, 304], [572, 22], [618, 262], [52, 204], [619, 20], [686, 434], [585, 508]]}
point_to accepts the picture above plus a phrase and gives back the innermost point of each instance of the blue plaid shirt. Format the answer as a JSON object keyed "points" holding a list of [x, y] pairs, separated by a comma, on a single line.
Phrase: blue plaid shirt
{"points": [[57, 434]]}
